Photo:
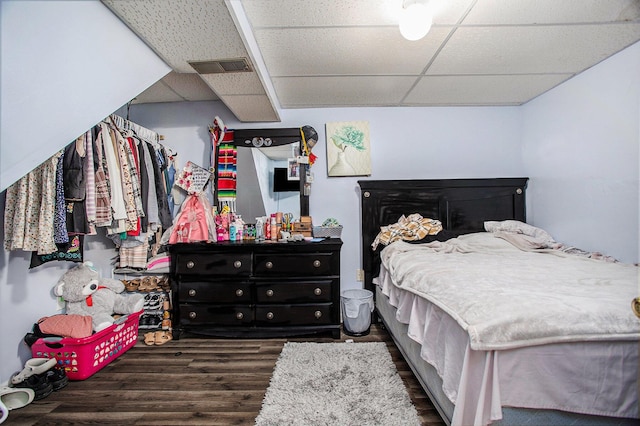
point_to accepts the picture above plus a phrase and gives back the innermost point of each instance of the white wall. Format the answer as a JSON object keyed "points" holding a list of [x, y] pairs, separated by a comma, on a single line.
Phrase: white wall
{"points": [[65, 65], [580, 147], [61, 72], [406, 143]]}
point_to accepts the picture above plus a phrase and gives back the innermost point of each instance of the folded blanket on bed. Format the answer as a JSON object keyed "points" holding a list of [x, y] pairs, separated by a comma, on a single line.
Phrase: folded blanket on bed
{"points": [[505, 297]]}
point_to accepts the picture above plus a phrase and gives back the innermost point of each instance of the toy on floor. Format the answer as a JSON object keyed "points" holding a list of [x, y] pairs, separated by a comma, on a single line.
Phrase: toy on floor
{"points": [[86, 293]]}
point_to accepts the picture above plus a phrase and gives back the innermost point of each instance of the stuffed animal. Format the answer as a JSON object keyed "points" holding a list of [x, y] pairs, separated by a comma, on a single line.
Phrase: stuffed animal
{"points": [[86, 293]]}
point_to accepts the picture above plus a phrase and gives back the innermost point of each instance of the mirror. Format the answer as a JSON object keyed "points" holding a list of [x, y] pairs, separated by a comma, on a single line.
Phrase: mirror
{"points": [[259, 155], [257, 193]]}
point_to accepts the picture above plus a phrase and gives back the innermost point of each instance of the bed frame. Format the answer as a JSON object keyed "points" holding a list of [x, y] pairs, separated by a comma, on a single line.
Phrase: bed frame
{"points": [[462, 205]]}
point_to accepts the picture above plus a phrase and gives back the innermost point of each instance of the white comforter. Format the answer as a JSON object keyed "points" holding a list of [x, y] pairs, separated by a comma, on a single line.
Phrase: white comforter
{"points": [[505, 297]]}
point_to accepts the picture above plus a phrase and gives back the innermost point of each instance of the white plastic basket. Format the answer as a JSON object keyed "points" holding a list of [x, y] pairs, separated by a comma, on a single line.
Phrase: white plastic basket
{"points": [[327, 231]]}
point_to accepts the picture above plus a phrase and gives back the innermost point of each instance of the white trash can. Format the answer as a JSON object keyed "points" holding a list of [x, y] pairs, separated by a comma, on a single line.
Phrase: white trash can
{"points": [[357, 306]]}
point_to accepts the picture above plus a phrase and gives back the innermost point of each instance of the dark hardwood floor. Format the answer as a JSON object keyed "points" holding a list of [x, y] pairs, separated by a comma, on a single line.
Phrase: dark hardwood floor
{"points": [[191, 381]]}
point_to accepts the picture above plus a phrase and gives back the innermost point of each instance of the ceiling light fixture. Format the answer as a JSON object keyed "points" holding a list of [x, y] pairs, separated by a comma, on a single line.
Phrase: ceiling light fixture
{"points": [[416, 19]]}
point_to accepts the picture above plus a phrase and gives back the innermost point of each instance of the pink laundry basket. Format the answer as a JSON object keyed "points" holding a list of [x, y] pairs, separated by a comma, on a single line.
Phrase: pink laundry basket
{"points": [[81, 358]]}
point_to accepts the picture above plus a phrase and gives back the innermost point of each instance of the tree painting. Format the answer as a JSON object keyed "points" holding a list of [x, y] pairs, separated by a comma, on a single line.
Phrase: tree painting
{"points": [[348, 152]]}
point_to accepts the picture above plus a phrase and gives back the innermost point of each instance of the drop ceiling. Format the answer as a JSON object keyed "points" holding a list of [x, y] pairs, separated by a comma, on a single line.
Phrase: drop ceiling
{"points": [[349, 53]]}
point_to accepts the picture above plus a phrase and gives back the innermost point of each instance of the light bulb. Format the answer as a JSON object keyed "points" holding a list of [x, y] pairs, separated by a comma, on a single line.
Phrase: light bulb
{"points": [[415, 21]]}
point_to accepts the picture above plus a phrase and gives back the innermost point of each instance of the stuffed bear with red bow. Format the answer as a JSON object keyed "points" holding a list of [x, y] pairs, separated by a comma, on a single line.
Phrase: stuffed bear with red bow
{"points": [[86, 293]]}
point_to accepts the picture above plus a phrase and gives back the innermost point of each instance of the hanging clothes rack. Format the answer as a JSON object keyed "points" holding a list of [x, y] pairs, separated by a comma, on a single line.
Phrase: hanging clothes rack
{"points": [[141, 132]]}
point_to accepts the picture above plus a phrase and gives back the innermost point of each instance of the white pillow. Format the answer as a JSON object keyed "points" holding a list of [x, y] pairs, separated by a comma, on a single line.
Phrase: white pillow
{"points": [[517, 227]]}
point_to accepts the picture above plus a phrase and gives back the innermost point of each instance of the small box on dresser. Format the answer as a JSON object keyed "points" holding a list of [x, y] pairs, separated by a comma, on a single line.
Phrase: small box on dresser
{"points": [[253, 289]]}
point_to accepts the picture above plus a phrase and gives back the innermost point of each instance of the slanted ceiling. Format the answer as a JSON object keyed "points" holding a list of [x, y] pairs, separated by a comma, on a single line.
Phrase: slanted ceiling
{"points": [[349, 53]]}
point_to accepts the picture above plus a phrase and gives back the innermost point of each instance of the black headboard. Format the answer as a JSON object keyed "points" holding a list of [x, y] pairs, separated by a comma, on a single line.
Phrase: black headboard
{"points": [[462, 205]]}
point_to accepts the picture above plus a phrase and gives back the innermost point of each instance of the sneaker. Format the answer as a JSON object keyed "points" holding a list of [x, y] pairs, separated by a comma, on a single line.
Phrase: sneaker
{"points": [[39, 384], [57, 377], [155, 321]]}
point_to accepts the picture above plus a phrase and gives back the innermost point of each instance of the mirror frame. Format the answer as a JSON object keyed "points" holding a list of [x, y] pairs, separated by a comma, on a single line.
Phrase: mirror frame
{"points": [[242, 138]]}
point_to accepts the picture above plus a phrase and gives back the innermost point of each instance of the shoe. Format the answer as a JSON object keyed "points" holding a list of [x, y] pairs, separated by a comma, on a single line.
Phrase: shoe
{"points": [[33, 366], [131, 285], [164, 284], [155, 321], [148, 284], [14, 398], [162, 337], [166, 324], [57, 377], [144, 321], [150, 339], [152, 302], [38, 384]]}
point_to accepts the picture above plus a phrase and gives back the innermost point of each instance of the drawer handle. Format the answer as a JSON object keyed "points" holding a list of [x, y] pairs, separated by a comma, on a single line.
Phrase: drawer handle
{"points": [[269, 265], [239, 292], [192, 315], [269, 315], [239, 315], [190, 264], [269, 292], [317, 314], [237, 264], [317, 291], [192, 292], [316, 263]]}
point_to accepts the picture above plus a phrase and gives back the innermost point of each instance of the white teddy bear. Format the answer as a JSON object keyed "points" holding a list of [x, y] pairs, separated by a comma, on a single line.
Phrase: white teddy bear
{"points": [[86, 293]]}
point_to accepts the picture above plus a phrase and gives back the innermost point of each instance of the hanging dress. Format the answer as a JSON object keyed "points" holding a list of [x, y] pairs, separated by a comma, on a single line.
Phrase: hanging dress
{"points": [[30, 210], [104, 216], [118, 207]]}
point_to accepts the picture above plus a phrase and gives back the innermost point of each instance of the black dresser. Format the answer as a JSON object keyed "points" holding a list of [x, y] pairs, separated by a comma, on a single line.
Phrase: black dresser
{"points": [[250, 289]]}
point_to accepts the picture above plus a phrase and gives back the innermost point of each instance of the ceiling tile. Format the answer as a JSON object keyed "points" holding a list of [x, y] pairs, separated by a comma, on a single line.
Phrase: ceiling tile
{"points": [[341, 91], [189, 86], [239, 83], [531, 49], [158, 92], [519, 12], [481, 90], [250, 108], [332, 13], [296, 13], [354, 51], [183, 30]]}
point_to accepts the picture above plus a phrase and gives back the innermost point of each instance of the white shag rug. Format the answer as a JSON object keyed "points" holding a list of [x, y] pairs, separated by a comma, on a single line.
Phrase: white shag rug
{"points": [[336, 384]]}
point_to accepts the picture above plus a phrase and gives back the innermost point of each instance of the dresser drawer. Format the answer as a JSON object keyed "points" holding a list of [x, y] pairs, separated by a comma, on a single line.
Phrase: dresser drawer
{"points": [[280, 315], [216, 314], [315, 291], [243, 289], [229, 264], [215, 292], [301, 264]]}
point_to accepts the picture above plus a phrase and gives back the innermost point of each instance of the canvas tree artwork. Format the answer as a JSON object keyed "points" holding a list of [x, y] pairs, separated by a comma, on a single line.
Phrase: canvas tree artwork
{"points": [[348, 150]]}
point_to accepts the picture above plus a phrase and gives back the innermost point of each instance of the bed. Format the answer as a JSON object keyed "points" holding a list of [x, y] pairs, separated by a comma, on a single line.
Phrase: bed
{"points": [[477, 365]]}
